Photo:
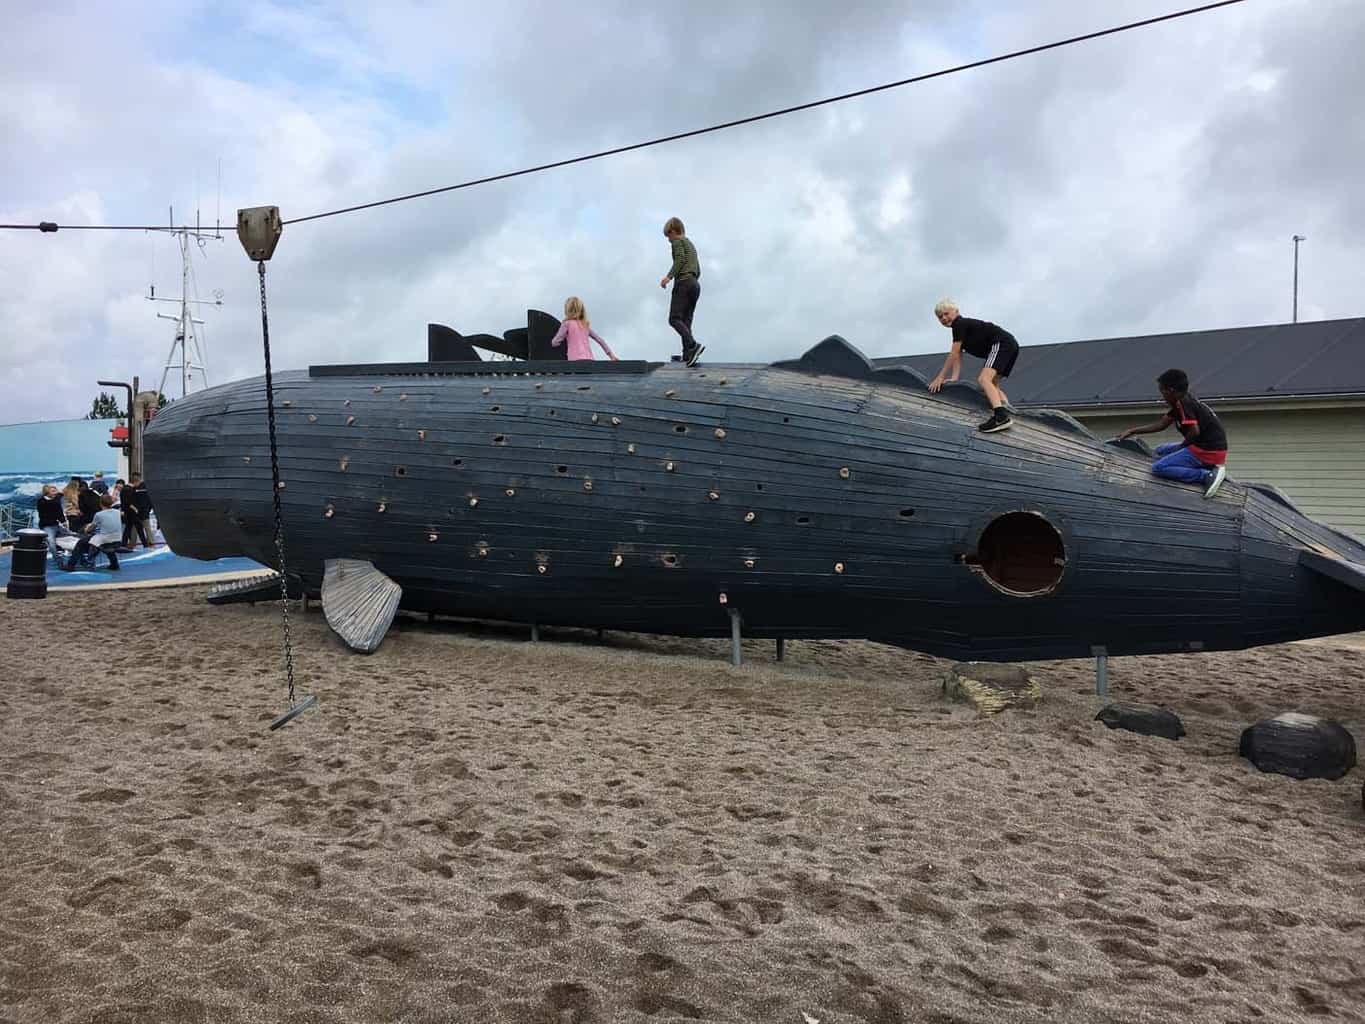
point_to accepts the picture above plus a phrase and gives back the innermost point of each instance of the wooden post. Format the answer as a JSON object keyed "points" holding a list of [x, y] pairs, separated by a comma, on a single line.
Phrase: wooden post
{"points": [[781, 648], [735, 657]]}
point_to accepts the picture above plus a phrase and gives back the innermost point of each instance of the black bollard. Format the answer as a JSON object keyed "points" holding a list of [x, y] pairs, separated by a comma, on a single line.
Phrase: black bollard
{"points": [[28, 566]]}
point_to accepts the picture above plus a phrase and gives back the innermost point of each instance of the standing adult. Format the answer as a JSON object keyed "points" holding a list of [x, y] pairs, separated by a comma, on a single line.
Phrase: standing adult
{"points": [[98, 484], [685, 273], [52, 518], [70, 504], [88, 502], [984, 340], [139, 505]]}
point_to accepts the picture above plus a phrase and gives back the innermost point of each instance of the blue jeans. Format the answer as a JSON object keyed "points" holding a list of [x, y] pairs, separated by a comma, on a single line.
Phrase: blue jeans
{"points": [[1175, 462], [53, 532]]}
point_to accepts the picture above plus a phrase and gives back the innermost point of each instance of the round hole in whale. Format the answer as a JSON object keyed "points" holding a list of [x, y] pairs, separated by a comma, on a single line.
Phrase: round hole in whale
{"points": [[679, 428], [803, 520], [457, 463], [400, 470], [1020, 553], [562, 470]]}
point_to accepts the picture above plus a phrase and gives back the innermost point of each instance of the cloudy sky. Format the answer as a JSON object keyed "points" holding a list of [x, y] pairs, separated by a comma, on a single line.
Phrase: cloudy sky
{"points": [[1143, 183]]}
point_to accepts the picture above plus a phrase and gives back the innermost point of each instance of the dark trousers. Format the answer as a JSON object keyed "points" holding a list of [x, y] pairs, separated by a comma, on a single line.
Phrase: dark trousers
{"points": [[686, 291], [129, 525], [83, 552]]}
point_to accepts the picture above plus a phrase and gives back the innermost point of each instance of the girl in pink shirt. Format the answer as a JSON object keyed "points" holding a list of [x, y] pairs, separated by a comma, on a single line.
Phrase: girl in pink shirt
{"points": [[575, 327]]}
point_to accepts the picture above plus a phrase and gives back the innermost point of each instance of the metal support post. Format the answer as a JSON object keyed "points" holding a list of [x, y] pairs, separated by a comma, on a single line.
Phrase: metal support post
{"points": [[535, 633], [735, 657], [1101, 670], [781, 648]]}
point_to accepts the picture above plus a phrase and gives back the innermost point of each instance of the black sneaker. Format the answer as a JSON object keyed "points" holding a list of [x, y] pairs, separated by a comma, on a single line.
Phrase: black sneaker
{"points": [[1216, 476], [1000, 420], [695, 354]]}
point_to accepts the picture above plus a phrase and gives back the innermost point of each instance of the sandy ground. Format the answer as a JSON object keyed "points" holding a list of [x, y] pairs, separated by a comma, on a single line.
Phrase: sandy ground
{"points": [[473, 828]]}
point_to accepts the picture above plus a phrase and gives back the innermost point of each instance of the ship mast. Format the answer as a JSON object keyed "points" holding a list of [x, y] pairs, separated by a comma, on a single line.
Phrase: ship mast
{"points": [[187, 354]]}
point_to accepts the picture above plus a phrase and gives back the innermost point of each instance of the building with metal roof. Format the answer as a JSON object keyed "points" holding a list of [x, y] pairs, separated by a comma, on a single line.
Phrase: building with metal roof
{"points": [[1292, 397]]}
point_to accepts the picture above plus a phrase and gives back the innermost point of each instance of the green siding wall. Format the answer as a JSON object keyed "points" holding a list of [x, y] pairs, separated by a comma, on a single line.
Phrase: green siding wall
{"points": [[1316, 456]]}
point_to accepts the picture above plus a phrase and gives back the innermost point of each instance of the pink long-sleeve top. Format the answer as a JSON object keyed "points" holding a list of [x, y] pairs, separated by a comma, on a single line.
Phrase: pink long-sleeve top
{"points": [[578, 336]]}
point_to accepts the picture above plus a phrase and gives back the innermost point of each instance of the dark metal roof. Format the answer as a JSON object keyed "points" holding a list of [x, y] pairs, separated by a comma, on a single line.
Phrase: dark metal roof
{"points": [[1305, 360]]}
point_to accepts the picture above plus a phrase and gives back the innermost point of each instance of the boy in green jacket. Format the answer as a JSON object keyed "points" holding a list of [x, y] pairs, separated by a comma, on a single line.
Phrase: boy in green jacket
{"points": [[686, 277]]}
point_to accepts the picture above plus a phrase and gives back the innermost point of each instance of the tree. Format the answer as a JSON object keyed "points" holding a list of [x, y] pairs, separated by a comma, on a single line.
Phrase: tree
{"points": [[105, 408]]}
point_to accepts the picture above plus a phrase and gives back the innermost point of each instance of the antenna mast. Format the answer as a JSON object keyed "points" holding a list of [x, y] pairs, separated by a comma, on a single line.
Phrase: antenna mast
{"points": [[188, 344]]}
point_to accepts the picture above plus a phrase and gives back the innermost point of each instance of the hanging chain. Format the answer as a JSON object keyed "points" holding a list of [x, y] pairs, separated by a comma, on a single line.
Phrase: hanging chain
{"points": [[275, 486]]}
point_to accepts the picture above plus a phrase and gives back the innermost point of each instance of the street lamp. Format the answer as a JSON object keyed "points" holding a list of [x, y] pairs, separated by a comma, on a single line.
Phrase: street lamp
{"points": [[1297, 240]]}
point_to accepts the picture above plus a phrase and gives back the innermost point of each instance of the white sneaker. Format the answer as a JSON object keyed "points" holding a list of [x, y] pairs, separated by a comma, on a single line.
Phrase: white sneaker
{"points": [[1215, 481]]}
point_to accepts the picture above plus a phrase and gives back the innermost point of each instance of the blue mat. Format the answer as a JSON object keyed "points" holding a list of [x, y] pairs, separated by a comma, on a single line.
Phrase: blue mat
{"points": [[140, 567]]}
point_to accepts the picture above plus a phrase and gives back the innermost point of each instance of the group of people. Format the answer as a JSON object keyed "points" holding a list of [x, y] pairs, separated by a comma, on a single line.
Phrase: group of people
{"points": [[685, 272], [1197, 459], [1200, 458], [102, 518]]}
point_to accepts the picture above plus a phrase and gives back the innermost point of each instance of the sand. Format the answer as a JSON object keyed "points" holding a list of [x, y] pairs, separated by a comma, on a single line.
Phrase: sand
{"points": [[470, 827]]}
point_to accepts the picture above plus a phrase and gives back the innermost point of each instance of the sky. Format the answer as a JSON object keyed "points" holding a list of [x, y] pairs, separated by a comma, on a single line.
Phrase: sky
{"points": [[1147, 182]]}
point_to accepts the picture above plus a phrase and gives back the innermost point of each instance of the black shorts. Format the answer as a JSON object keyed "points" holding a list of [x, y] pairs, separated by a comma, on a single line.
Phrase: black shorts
{"points": [[1002, 355]]}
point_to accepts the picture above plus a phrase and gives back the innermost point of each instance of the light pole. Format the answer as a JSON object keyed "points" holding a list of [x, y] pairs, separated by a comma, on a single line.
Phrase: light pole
{"points": [[1297, 240]]}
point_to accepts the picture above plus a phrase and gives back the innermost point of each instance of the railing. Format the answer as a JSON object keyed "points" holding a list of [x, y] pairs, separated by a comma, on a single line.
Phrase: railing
{"points": [[13, 519]]}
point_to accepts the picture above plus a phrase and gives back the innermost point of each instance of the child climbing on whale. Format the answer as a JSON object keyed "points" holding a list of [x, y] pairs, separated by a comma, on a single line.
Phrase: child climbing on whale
{"points": [[577, 330], [984, 340], [1200, 457]]}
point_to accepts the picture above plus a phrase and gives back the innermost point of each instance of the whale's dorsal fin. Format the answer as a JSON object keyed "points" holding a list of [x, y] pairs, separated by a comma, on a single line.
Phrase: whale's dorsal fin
{"points": [[835, 357], [359, 602]]}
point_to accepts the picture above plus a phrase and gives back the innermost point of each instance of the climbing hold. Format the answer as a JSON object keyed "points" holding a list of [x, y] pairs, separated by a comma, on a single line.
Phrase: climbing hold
{"points": [[720, 433], [329, 512], [344, 463], [377, 388], [346, 401], [587, 485], [724, 599], [540, 386], [312, 418], [286, 403], [748, 563], [669, 393], [382, 506], [843, 472], [749, 517], [724, 381], [616, 421], [281, 485], [483, 550], [246, 459], [668, 466], [433, 536], [594, 417], [616, 562], [838, 566], [403, 396], [630, 450], [713, 495], [421, 435], [511, 492], [487, 390], [542, 568], [350, 420], [473, 502]]}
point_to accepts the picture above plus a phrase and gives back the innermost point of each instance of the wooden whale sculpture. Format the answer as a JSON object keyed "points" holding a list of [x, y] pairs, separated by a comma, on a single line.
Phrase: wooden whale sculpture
{"points": [[820, 497]]}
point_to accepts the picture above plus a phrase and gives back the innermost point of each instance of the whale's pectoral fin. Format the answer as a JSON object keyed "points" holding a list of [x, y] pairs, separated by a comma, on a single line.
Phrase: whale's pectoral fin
{"points": [[359, 602], [1351, 574]]}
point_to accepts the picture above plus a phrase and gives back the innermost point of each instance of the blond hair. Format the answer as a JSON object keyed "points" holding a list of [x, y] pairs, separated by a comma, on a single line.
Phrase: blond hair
{"points": [[674, 226], [575, 310], [944, 306]]}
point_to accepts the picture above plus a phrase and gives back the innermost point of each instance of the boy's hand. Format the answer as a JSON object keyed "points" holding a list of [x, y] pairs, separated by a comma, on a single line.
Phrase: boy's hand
{"points": [[1124, 436], [936, 385], [663, 281]]}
